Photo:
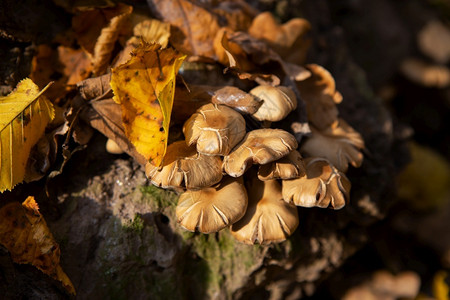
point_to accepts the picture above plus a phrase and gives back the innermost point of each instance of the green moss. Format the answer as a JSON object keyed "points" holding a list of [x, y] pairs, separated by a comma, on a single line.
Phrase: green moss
{"points": [[159, 197], [136, 225]]}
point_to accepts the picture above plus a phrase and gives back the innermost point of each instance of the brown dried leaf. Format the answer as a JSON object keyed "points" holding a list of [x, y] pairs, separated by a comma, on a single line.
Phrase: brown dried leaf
{"points": [[97, 31], [106, 116], [288, 40], [68, 65], [247, 55], [24, 233], [193, 27]]}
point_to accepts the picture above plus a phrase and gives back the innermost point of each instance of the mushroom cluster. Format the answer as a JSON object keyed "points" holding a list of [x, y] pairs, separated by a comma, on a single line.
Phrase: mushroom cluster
{"points": [[251, 180], [249, 156]]}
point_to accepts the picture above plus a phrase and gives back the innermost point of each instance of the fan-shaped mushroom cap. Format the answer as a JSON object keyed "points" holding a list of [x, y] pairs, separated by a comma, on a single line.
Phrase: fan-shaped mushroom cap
{"points": [[288, 167], [260, 146], [268, 218], [182, 166], [237, 99], [278, 102], [323, 186], [215, 128], [319, 93], [340, 144], [212, 209]]}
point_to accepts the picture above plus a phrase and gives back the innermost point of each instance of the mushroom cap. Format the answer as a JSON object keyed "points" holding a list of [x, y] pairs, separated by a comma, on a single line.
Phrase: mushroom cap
{"points": [[182, 166], [214, 208], [260, 146], [268, 218], [323, 186], [237, 99], [319, 93], [278, 102], [216, 129], [288, 167], [340, 144]]}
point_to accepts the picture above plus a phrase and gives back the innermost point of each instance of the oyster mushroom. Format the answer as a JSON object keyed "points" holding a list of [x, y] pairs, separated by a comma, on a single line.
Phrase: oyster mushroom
{"points": [[278, 102], [214, 208], [216, 129], [319, 93], [288, 167], [260, 146], [340, 144], [182, 166], [268, 218], [323, 186]]}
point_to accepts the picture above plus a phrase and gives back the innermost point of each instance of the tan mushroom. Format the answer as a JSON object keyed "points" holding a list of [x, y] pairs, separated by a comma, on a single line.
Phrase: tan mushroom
{"points": [[268, 218], [340, 144], [323, 186], [288, 167], [182, 166], [214, 208], [237, 99], [278, 102], [216, 129], [260, 146], [319, 93]]}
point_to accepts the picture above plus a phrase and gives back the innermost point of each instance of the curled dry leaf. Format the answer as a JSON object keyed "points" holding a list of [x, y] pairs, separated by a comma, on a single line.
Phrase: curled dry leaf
{"points": [[288, 167], [319, 93], [24, 233], [288, 40], [425, 74], [184, 167], [97, 31], [212, 209], [277, 102], [323, 186], [193, 27], [144, 87], [434, 41], [259, 146], [23, 117], [268, 218], [340, 144], [238, 14], [215, 129], [151, 31]]}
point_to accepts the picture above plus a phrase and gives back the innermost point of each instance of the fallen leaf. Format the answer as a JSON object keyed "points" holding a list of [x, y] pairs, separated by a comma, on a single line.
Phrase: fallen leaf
{"points": [[97, 31], [105, 115], [24, 233], [65, 65], [248, 55], [288, 40], [193, 27], [23, 117], [144, 87], [148, 30]]}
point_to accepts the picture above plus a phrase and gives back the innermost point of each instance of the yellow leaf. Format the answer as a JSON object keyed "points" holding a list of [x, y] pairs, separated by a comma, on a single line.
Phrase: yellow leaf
{"points": [[144, 87], [441, 289], [24, 114], [24, 233]]}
